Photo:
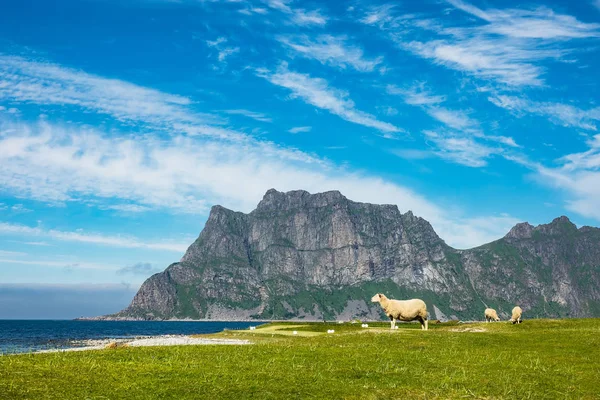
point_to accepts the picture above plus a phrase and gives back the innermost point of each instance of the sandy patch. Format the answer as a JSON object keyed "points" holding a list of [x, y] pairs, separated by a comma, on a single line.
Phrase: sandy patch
{"points": [[468, 330], [167, 340]]}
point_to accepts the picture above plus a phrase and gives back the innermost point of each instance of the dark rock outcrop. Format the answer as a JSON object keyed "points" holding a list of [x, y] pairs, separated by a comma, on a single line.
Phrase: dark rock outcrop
{"points": [[314, 256]]}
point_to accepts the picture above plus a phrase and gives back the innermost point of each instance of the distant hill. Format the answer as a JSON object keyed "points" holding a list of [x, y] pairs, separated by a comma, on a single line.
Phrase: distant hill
{"points": [[322, 256]]}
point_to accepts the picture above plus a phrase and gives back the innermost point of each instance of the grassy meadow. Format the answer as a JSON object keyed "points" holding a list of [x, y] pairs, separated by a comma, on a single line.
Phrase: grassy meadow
{"points": [[539, 359]]}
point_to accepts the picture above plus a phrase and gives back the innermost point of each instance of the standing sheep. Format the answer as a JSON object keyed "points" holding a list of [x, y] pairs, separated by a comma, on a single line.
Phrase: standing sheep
{"points": [[403, 310], [516, 315], [491, 315]]}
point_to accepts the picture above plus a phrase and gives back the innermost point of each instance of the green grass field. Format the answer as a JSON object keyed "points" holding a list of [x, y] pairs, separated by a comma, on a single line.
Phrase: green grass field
{"points": [[539, 359]]}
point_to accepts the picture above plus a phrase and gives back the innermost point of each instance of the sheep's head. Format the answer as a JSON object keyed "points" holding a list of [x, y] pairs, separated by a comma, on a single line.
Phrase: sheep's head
{"points": [[376, 298], [497, 319]]}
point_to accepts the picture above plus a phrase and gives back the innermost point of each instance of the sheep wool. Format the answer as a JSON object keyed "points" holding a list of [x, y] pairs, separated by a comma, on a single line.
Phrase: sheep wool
{"points": [[516, 315], [403, 310], [491, 315]]}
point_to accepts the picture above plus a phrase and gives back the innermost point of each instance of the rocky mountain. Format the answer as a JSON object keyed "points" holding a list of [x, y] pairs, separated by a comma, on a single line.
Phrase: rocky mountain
{"points": [[322, 256]]}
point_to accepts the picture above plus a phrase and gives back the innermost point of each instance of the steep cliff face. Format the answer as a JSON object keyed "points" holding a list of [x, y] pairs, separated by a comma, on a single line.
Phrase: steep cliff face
{"points": [[302, 255]]}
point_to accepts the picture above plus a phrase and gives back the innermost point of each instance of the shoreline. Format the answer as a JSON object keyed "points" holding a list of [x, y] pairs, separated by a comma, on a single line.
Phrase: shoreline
{"points": [[140, 341]]}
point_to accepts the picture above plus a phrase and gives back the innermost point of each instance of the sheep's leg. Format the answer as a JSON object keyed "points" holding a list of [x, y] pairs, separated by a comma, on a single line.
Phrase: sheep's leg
{"points": [[391, 322], [394, 323], [426, 323]]}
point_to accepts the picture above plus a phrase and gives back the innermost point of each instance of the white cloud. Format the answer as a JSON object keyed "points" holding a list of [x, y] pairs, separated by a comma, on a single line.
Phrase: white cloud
{"points": [[298, 16], [379, 15], [103, 240], [461, 150], [458, 145], [578, 177], [7, 253], [250, 114], [417, 95], [454, 119], [46, 162], [126, 208], [217, 42], [60, 264], [560, 114], [223, 51], [505, 61], [507, 46], [226, 52], [300, 129], [38, 82], [539, 23], [20, 208], [331, 50], [304, 18], [317, 92]]}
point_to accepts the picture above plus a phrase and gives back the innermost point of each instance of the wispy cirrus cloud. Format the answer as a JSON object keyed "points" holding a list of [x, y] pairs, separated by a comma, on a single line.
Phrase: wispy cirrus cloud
{"points": [[459, 140], [38, 82], [318, 92], [331, 50], [298, 16], [558, 113], [418, 95], [300, 129], [60, 264], [460, 149], [578, 177], [250, 114], [224, 51], [506, 46], [541, 22], [91, 238]]}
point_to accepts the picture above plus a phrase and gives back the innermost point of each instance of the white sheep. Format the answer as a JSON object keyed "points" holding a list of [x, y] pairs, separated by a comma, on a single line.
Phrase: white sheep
{"points": [[294, 332], [252, 328], [403, 310], [491, 315], [365, 325], [516, 315], [330, 331]]}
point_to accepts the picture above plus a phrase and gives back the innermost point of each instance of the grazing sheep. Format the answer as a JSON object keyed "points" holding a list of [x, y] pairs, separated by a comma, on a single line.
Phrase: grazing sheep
{"points": [[491, 315], [516, 315], [365, 325], [403, 310], [330, 331]]}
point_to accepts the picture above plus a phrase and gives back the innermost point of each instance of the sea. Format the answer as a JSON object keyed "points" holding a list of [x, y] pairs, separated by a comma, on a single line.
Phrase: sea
{"points": [[21, 336]]}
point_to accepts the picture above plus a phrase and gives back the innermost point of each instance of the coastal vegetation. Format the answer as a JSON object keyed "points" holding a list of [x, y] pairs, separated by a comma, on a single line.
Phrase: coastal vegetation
{"points": [[541, 359]]}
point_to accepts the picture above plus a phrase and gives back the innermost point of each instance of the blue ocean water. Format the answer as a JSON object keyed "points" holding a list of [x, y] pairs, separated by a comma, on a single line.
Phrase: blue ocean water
{"points": [[29, 335]]}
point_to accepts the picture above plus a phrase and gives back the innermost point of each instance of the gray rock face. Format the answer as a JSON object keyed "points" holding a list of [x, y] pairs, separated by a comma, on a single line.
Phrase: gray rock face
{"points": [[313, 256]]}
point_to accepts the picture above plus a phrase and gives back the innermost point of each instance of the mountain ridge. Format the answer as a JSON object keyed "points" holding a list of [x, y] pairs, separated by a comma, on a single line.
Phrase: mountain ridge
{"points": [[315, 256]]}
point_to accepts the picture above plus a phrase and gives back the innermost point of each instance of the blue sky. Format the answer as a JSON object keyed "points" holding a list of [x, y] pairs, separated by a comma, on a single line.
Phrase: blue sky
{"points": [[123, 122]]}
